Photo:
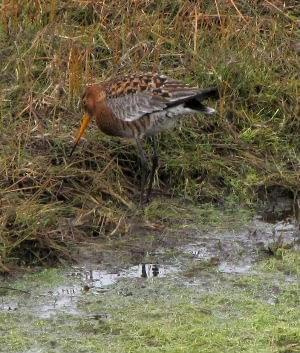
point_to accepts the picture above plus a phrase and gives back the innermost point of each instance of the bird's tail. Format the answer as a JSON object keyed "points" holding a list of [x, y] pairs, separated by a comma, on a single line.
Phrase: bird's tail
{"points": [[195, 103], [211, 92]]}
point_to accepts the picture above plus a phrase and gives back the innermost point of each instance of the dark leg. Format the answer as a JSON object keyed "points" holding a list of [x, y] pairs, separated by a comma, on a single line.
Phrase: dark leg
{"points": [[144, 168], [154, 167]]}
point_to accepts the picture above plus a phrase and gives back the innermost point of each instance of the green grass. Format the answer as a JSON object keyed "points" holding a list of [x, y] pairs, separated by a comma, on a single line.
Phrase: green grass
{"points": [[178, 214], [51, 49]]}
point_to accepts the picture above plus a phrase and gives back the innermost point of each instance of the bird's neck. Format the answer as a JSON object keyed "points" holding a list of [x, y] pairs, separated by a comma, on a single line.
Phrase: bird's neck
{"points": [[105, 119]]}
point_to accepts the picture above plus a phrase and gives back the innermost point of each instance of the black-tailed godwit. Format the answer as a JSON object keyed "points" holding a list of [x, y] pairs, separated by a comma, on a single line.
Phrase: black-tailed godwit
{"points": [[142, 105]]}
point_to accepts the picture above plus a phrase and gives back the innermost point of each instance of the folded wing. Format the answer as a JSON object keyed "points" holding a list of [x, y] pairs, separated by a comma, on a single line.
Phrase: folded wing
{"points": [[136, 96]]}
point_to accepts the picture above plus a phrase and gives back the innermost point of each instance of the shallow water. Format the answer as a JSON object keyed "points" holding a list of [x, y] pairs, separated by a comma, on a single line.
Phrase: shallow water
{"points": [[197, 262]]}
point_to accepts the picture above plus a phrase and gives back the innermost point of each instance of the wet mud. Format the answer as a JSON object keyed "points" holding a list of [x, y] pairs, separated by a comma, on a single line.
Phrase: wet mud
{"points": [[187, 257]]}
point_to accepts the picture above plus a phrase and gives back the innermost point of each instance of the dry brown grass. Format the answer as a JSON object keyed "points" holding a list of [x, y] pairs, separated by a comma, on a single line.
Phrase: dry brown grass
{"points": [[51, 49]]}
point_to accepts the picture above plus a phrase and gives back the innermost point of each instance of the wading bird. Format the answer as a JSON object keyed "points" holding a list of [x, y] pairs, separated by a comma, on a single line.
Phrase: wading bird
{"points": [[139, 106]]}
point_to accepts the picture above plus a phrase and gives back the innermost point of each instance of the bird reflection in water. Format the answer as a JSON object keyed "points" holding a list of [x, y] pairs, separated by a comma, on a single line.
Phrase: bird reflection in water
{"points": [[149, 270]]}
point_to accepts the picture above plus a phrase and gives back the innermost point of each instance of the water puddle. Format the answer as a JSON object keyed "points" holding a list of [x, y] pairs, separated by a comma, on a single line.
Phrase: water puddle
{"points": [[59, 300], [99, 278], [8, 305], [64, 299], [231, 253], [236, 252], [225, 267]]}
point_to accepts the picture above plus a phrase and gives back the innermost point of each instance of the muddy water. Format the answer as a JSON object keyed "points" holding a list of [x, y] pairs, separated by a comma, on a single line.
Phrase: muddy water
{"points": [[195, 262], [237, 251]]}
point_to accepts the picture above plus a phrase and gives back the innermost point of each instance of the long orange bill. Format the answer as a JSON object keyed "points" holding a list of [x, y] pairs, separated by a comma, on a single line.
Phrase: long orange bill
{"points": [[84, 124]]}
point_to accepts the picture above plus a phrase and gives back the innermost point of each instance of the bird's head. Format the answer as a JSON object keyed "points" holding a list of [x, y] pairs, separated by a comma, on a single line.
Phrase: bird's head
{"points": [[91, 98]]}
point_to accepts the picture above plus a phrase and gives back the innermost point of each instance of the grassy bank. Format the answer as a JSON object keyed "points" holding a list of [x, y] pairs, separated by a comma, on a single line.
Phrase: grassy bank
{"points": [[51, 49]]}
